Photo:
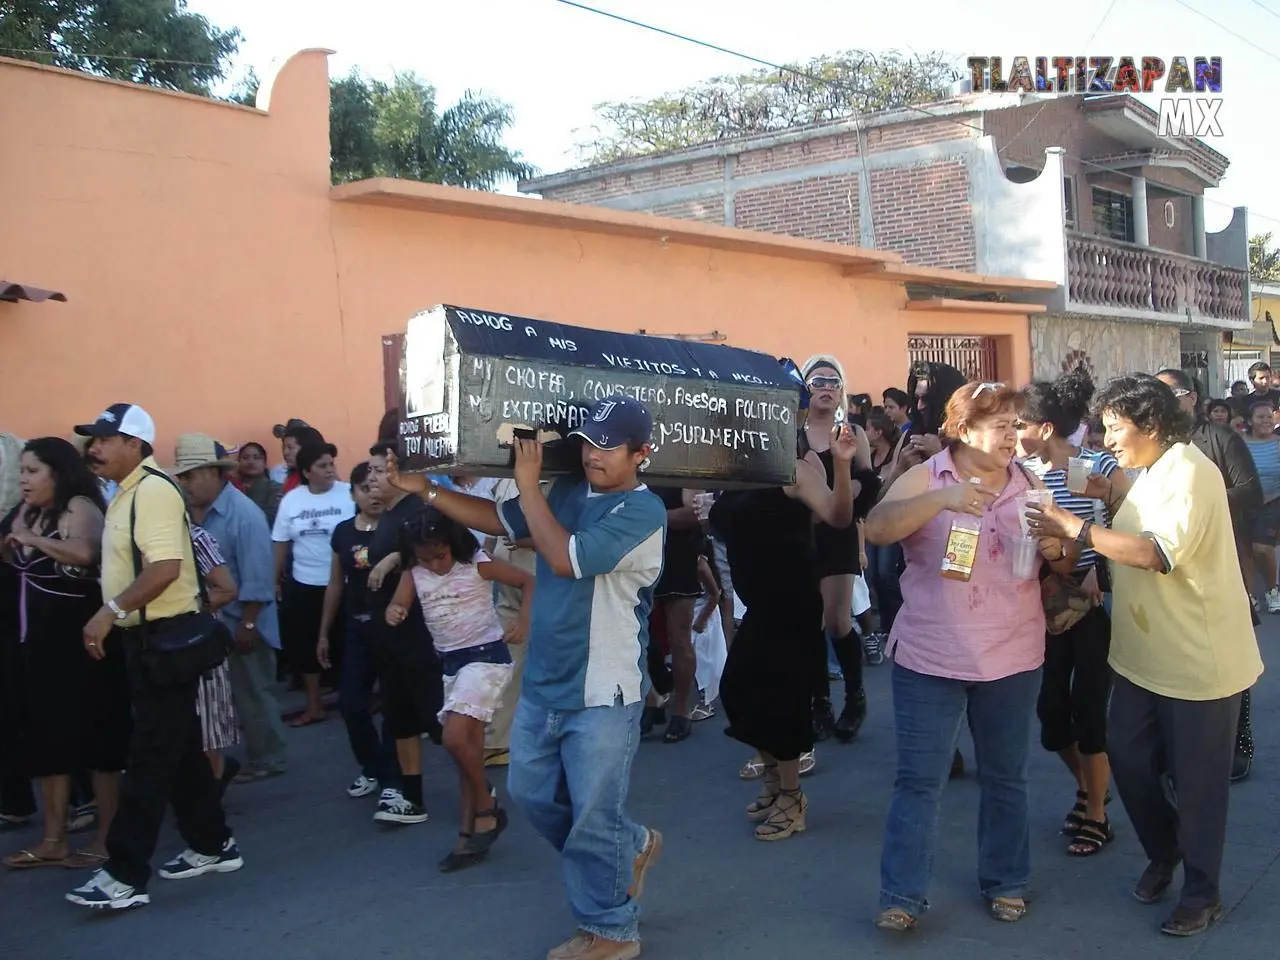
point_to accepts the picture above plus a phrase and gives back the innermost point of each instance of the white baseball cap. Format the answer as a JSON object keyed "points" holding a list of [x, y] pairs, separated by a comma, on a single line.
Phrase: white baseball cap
{"points": [[121, 419]]}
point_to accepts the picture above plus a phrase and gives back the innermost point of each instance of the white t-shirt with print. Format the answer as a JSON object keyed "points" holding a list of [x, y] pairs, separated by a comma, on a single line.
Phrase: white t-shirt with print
{"points": [[458, 607], [306, 520]]}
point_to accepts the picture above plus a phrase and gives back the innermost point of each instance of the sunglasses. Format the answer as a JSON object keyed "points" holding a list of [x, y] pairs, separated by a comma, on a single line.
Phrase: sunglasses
{"points": [[983, 387], [824, 383], [1181, 393]]}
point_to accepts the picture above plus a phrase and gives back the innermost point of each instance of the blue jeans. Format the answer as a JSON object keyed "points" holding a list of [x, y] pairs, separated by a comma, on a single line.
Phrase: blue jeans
{"points": [[569, 773], [376, 755], [884, 567], [928, 712]]}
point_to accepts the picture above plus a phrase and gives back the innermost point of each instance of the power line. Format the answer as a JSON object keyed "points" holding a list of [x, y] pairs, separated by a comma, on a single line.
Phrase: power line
{"points": [[1262, 6], [1093, 35], [826, 81], [1243, 39], [1036, 116]]}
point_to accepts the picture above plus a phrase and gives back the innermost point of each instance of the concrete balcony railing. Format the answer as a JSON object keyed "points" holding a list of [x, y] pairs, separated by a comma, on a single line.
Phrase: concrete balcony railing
{"points": [[1110, 273]]}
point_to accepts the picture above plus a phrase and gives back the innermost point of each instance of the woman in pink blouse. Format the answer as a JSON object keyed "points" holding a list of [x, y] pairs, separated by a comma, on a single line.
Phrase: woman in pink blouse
{"points": [[967, 643]]}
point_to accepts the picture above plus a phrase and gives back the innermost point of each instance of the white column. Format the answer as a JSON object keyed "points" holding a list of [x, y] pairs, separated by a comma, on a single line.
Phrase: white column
{"points": [[1141, 226], [1197, 226]]}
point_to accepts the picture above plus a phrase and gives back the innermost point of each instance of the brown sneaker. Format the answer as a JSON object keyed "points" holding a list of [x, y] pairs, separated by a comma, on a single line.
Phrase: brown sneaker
{"points": [[649, 853], [587, 946]]}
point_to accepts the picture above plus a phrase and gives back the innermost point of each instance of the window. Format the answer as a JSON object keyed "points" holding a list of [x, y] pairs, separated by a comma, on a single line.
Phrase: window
{"points": [[1069, 203], [1112, 214]]}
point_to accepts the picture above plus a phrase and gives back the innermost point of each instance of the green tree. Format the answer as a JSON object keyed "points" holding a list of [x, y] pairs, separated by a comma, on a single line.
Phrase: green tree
{"points": [[1264, 263], [397, 130], [157, 42], [827, 88]]}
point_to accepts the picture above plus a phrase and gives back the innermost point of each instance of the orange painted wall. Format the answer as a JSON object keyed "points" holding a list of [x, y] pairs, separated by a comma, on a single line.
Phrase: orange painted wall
{"points": [[212, 279]]}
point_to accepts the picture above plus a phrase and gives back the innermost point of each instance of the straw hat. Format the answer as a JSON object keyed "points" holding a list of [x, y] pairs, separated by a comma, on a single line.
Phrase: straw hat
{"points": [[196, 450]]}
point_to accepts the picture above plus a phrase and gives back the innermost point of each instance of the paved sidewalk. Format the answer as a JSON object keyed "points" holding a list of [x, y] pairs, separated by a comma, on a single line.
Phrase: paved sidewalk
{"points": [[323, 882]]}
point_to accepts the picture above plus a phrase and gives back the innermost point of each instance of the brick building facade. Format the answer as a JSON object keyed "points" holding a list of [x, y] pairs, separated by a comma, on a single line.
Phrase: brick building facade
{"points": [[1080, 191]]}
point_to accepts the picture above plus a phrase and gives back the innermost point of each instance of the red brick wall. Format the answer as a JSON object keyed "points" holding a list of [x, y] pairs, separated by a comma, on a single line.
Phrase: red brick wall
{"points": [[899, 136], [642, 181], [802, 154], [823, 208], [923, 213], [703, 211]]}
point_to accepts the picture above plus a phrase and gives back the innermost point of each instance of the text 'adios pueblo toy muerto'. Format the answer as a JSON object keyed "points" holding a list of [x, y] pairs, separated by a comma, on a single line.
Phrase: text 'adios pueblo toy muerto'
{"points": [[471, 380]]}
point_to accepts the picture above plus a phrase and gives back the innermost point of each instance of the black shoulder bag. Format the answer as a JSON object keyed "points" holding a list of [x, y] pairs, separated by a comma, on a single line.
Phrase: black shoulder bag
{"points": [[179, 649]]}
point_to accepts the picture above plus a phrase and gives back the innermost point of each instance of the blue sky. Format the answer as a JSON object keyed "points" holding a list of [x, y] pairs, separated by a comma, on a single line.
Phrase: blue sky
{"points": [[552, 62]]}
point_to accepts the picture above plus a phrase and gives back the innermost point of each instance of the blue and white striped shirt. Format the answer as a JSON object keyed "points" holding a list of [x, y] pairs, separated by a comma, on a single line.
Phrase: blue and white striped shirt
{"points": [[1266, 457], [1086, 508]]}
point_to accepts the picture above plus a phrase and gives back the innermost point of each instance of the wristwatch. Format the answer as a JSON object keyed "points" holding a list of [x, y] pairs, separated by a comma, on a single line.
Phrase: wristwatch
{"points": [[120, 612], [1082, 537], [248, 625], [432, 492]]}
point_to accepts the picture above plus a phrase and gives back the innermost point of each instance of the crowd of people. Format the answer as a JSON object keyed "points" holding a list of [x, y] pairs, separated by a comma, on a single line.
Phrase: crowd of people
{"points": [[1023, 558]]}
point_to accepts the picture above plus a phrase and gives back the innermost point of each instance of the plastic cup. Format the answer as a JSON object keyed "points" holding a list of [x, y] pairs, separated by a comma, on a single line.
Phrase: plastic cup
{"points": [[1026, 554], [1028, 499], [1078, 470], [702, 503]]}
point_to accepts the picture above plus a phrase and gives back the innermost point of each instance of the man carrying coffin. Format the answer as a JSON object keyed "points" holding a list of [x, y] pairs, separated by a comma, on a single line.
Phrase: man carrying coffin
{"points": [[600, 543]]}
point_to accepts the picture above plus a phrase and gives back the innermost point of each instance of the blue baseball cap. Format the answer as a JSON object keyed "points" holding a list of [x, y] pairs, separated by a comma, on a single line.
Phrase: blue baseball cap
{"points": [[615, 422]]}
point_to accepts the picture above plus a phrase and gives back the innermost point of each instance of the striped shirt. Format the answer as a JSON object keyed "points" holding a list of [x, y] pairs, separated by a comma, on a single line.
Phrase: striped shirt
{"points": [[1266, 457], [1086, 508]]}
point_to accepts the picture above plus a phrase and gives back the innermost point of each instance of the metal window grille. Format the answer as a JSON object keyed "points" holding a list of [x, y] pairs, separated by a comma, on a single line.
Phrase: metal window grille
{"points": [[974, 356], [1112, 215]]}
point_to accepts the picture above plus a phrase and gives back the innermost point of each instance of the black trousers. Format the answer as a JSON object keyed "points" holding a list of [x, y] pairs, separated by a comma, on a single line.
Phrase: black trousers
{"points": [[166, 765], [1076, 686], [1190, 742]]}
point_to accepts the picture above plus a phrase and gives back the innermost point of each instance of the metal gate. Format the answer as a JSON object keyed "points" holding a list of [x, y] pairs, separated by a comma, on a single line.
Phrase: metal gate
{"points": [[974, 356]]}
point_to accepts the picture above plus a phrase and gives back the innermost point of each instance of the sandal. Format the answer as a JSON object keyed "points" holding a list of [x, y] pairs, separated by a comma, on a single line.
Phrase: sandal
{"points": [[896, 919], [1008, 909], [84, 860], [786, 818], [760, 808], [753, 769], [480, 842], [1071, 823], [302, 720], [678, 728], [651, 717], [1090, 838], [808, 761], [460, 859], [1073, 820], [26, 860]]}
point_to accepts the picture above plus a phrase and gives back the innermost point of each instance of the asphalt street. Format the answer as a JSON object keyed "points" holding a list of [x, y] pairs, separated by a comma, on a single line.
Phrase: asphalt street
{"points": [[323, 882]]}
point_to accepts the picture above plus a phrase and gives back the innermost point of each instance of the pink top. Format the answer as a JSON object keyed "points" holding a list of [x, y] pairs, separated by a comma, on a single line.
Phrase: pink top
{"points": [[986, 629], [458, 606]]}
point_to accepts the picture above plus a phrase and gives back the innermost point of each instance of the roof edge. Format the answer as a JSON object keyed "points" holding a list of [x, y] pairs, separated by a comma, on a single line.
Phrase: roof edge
{"points": [[852, 261], [937, 110], [148, 88]]}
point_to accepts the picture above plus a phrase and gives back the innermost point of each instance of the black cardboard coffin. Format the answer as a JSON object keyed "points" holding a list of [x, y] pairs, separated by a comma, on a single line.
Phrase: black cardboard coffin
{"points": [[722, 415]]}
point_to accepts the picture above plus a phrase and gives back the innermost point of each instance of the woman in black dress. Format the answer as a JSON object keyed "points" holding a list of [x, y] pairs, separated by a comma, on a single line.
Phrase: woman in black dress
{"points": [[837, 550], [17, 802], [767, 686], [78, 707]]}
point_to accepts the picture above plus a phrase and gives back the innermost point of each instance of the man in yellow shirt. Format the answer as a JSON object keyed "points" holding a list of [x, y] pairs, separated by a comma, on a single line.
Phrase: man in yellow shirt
{"points": [[166, 762]]}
